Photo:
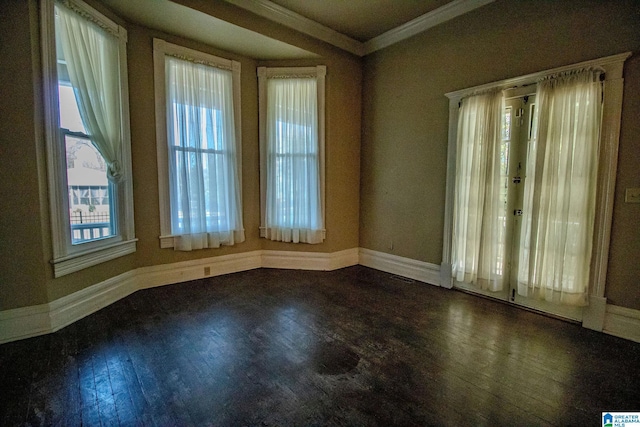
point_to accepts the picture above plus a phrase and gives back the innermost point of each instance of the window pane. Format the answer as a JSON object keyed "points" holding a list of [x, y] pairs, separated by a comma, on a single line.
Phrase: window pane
{"points": [[89, 192], [293, 189], [69, 113], [506, 124], [504, 154]]}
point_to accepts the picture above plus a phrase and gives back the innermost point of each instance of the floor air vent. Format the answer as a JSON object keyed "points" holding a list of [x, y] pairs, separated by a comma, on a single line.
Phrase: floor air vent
{"points": [[403, 279]]}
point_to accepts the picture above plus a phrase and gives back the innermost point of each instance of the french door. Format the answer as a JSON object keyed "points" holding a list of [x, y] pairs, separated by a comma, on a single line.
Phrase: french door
{"points": [[565, 257], [522, 127], [518, 128]]}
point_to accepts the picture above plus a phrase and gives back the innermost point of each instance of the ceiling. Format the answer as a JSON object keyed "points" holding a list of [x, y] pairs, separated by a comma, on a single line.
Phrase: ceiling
{"points": [[356, 26], [170, 17], [361, 20]]}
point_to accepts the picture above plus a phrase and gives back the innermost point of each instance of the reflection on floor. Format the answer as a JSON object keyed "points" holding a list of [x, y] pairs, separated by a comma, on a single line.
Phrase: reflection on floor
{"points": [[349, 347]]}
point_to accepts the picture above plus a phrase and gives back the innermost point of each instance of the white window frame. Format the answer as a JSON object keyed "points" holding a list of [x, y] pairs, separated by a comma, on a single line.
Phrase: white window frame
{"points": [[68, 258], [264, 73], [162, 48], [612, 66]]}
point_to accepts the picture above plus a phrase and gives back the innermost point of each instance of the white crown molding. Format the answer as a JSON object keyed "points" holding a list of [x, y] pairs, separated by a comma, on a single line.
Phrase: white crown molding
{"points": [[291, 19], [423, 23], [284, 16]]}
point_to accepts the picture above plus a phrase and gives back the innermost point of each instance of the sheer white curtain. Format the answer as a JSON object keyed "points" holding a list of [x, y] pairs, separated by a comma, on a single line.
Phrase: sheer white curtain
{"points": [[206, 207], [478, 249], [293, 197], [560, 189], [91, 54]]}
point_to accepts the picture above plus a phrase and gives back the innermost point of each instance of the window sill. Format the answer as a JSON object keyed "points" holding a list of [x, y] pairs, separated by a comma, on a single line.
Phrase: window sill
{"points": [[169, 241], [263, 233], [166, 242], [76, 262]]}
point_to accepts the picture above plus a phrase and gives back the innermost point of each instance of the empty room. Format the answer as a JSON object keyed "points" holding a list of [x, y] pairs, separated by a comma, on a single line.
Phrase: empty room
{"points": [[292, 213]]}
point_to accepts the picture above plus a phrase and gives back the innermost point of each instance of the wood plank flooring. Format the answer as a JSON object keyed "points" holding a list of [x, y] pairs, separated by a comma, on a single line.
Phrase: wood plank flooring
{"points": [[349, 347]]}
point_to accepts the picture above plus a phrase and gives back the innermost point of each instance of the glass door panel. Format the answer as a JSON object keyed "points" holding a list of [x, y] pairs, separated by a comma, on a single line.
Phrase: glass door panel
{"points": [[519, 124], [523, 131]]}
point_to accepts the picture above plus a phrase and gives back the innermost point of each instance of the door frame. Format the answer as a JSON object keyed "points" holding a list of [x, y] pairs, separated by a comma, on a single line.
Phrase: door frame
{"points": [[593, 317]]}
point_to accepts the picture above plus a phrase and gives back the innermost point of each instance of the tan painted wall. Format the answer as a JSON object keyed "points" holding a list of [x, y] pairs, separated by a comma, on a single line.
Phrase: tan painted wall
{"points": [[405, 116], [23, 270], [26, 277]]}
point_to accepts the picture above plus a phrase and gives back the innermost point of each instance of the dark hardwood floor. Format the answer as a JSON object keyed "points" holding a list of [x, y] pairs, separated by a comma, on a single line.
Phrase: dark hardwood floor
{"points": [[349, 347]]}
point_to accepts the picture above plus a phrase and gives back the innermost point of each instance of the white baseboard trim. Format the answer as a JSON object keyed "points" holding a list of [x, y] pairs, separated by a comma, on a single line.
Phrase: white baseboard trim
{"points": [[310, 260], [622, 322], [27, 322], [71, 308], [167, 274], [406, 267]]}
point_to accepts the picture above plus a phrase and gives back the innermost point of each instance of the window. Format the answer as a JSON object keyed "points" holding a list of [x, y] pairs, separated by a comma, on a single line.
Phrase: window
{"points": [[292, 153], [87, 134], [198, 129]]}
